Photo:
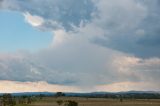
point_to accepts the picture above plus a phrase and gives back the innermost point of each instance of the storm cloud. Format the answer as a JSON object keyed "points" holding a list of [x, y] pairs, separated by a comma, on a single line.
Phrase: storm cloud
{"points": [[95, 42], [67, 13]]}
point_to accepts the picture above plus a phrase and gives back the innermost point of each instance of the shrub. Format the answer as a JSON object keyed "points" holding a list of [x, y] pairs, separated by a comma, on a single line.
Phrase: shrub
{"points": [[71, 103], [59, 102]]}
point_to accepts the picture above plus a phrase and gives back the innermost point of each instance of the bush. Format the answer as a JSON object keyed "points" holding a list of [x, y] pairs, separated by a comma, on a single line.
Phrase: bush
{"points": [[71, 103], [59, 102]]}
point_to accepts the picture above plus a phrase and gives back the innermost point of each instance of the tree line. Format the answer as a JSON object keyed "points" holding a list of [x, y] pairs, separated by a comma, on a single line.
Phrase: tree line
{"points": [[9, 100]]}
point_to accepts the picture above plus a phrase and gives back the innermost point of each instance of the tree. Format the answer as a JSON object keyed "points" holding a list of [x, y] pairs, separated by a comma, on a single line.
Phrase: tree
{"points": [[59, 94], [41, 96], [121, 98], [8, 100], [29, 100]]}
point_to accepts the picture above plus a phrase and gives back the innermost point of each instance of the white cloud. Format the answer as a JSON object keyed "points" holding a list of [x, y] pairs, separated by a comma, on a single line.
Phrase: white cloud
{"points": [[33, 20], [60, 37]]}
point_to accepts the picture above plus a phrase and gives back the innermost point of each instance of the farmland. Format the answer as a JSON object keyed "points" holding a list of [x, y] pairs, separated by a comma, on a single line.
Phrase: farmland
{"points": [[81, 99], [52, 101]]}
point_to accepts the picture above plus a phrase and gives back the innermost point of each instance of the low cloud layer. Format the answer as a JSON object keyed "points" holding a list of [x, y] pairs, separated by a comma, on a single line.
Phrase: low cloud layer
{"points": [[95, 42], [41, 86]]}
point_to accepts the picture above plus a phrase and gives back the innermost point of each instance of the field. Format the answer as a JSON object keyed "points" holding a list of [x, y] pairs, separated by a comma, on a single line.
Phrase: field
{"points": [[51, 101]]}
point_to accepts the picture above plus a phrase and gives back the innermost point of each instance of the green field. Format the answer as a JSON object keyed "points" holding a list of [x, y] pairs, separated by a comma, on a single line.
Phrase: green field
{"points": [[51, 101]]}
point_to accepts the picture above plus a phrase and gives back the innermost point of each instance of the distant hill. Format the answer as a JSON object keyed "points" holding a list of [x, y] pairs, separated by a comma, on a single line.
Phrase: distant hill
{"points": [[128, 94], [141, 92], [32, 93]]}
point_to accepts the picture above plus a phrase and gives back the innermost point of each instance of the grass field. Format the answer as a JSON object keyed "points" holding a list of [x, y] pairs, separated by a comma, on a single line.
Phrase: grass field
{"points": [[51, 101]]}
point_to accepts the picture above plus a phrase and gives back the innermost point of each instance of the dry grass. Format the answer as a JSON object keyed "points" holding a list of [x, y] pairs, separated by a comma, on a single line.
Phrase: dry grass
{"points": [[50, 101]]}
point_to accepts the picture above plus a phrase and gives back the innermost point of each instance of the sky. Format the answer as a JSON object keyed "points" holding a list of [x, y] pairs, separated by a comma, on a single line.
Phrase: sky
{"points": [[79, 45]]}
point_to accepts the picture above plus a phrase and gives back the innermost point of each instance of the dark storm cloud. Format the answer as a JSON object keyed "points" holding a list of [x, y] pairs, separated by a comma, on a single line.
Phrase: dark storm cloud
{"points": [[132, 28], [66, 12], [142, 40]]}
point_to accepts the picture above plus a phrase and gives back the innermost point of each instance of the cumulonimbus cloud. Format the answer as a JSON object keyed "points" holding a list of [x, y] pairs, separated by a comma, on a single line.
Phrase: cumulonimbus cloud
{"points": [[95, 42]]}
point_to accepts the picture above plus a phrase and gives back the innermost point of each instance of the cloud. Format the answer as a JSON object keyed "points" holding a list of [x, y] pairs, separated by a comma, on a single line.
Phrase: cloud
{"points": [[128, 86], [124, 21], [68, 13], [42, 86], [15, 86], [138, 69], [95, 43], [33, 20], [73, 63]]}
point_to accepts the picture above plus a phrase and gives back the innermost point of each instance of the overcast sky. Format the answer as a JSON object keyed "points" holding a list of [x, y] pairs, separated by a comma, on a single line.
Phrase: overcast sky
{"points": [[79, 45]]}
